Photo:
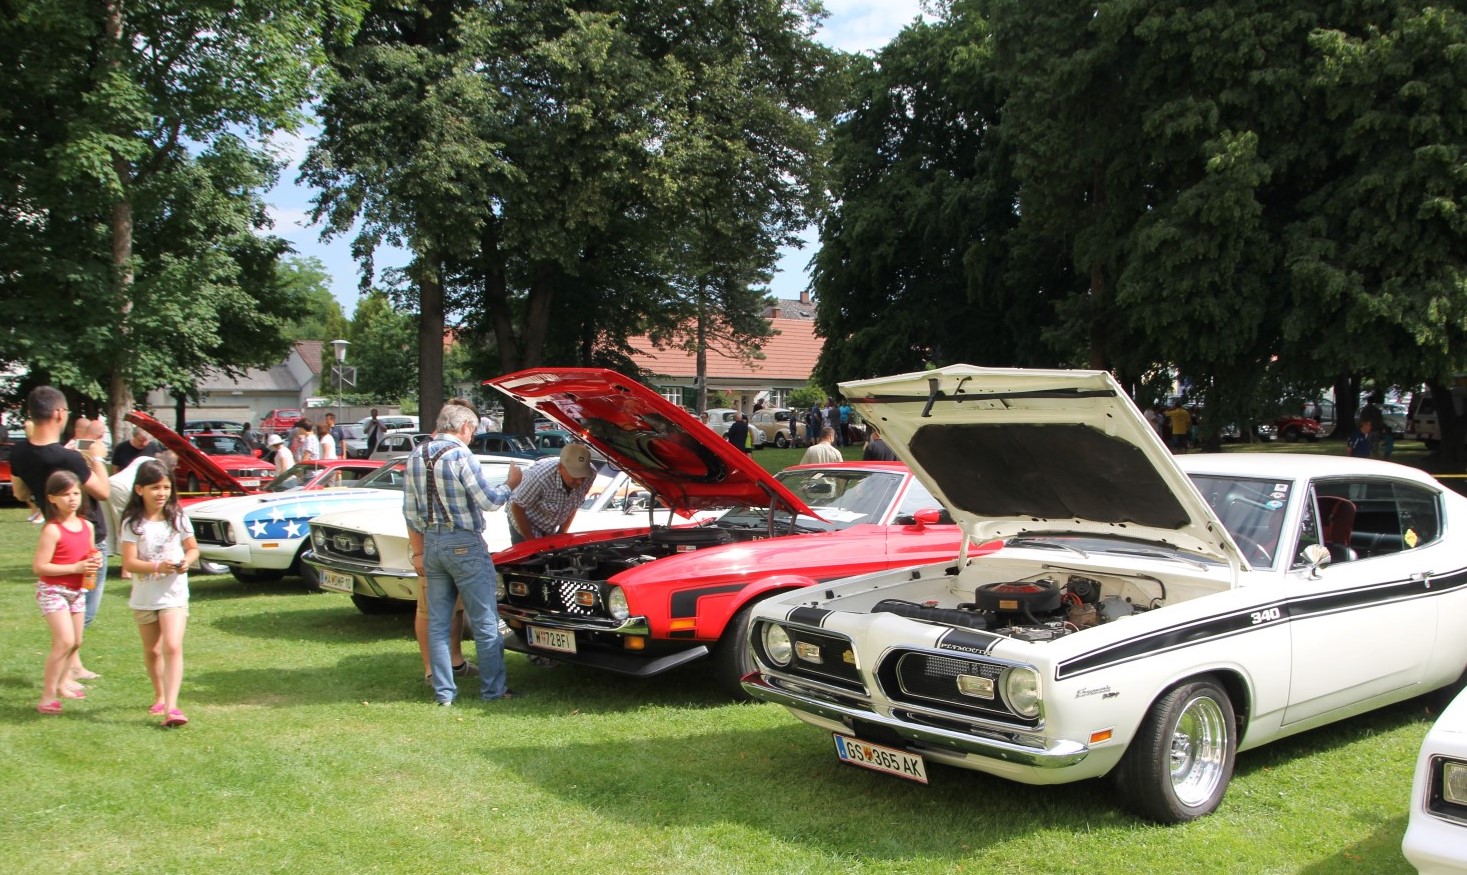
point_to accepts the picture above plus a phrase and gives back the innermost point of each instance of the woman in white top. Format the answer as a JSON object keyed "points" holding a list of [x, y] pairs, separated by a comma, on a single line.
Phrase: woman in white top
{"points": [[328, 441]]}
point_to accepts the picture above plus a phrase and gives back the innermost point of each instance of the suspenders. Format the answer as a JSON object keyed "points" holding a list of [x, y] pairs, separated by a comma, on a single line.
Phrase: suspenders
{"points": [[435, 502]]}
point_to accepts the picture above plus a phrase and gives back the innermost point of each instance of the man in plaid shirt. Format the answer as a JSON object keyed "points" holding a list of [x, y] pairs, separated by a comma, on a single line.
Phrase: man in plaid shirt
{"points": [[551, 494], [444, 501]]}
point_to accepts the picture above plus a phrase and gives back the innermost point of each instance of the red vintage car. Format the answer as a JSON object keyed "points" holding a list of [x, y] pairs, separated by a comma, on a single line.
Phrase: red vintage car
{"points": [[647, 600], [218, 463], [6, 492]]}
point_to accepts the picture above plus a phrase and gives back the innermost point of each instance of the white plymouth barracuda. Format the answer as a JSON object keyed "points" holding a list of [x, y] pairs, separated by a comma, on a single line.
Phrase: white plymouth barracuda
{"points": [[1146, 618], [1436, 838]]}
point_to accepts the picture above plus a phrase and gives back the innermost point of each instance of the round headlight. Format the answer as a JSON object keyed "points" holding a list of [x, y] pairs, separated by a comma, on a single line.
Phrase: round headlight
{"points": [[1021, 691], [318, 537], [777, 645], [369, 547], [616, 603]]}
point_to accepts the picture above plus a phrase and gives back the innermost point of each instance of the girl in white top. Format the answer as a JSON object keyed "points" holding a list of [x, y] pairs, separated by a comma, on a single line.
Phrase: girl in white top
{"points": [[158, 547]]}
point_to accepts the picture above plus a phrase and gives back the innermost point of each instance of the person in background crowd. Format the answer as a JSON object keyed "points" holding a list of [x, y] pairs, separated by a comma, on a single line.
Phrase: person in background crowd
{"points": [[876, 450], [304, 444], [831, 418], [337, 434], [814, 421], [738, 433], [326, 440], [1181, 426], [823, 451], [1359, 443], [139, 443], [844, 432], [34, 460], [251, 437], [373, 432], [1372, 414], [284, 459], [444, 501]]}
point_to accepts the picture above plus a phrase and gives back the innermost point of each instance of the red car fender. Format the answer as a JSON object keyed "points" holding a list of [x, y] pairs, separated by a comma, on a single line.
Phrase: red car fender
{"points": [[715, 611]]}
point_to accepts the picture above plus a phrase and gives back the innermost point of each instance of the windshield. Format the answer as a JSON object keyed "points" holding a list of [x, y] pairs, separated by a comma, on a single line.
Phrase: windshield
{"points": [[843, 498], [1251, 510], [220, 444], [292, 478], [393, 476]]}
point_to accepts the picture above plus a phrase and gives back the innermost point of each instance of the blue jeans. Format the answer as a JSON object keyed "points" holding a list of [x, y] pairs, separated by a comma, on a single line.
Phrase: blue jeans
{"points": [[94, 596], [457, 564]]}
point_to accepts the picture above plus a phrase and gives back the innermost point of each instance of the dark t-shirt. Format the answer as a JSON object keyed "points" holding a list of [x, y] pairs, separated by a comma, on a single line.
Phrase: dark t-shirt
{"points": [[35, 464], [126, 453], [877, 450]]}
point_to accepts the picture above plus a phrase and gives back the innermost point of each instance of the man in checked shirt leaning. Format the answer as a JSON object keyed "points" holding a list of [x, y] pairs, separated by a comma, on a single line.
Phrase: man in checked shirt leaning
{"points": [[444, 501]]}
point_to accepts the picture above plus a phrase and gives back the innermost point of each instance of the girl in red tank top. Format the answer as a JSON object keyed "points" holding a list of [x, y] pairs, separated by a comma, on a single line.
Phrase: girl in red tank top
{"points": [[64, 555]]}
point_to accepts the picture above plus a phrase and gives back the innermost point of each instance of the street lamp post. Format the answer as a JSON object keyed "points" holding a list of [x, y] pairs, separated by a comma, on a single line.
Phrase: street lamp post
{"points": [[339, 347]]}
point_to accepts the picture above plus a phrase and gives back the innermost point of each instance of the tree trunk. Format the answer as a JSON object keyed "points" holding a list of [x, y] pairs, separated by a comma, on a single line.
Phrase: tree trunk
{"points": [[119, 388], [700, 376], [1451, 453], [430, 340]]}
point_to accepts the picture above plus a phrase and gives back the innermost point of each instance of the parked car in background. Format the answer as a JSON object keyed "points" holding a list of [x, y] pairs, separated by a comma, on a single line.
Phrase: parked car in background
{"points": [[1148, 616], [720, 418], [7, 491], [398, 443], [190, 426], [498, 443], [1295, 428], [1395, 417], [261, 537], [392, 422], [1263, 431], [645, 601], [353, 441], [231, 468], [280, 421], [1436, 831], [781, 426], [322, 474]]}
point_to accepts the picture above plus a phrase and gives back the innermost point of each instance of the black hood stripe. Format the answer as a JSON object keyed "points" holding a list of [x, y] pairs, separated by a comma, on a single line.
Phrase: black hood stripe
{"points": [[1303, 607]]}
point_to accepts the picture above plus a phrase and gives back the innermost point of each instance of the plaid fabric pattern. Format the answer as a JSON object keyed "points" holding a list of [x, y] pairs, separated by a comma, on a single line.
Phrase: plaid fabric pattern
{"points": [[462, 490], [545, 500]]}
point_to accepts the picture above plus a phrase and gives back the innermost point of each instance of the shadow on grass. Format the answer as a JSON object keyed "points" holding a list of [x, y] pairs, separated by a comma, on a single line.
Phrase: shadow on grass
{"points": [[1334, 736], [325, 620], [223, 586], [786, 783]]}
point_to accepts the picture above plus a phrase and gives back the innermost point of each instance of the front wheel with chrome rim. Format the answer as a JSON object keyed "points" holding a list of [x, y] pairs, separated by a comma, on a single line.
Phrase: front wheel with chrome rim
{"points": [[1180, 762]]}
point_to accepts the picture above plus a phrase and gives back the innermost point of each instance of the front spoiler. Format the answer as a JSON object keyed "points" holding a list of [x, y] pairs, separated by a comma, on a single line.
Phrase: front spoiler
{"points": [[620, 662], [1059, 754]]}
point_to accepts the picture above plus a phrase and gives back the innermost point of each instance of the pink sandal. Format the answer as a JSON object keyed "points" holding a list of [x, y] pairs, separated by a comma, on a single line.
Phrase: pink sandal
{"points": [[77, 693], [51, 707], [158, 709], [175, 718]]}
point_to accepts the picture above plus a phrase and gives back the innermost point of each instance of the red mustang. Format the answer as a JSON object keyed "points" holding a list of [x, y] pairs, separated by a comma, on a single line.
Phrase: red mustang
{"points": [[645, 601]]}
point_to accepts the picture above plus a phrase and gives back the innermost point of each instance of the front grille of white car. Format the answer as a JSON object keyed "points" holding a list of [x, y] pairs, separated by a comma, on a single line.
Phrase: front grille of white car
{"points": [[340, 543], [828, 659], [930, 680], [209, 532]]}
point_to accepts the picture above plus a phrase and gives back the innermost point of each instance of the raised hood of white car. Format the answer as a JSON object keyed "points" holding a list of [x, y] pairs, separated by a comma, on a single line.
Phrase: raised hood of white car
{"points": [[1015, 452]]}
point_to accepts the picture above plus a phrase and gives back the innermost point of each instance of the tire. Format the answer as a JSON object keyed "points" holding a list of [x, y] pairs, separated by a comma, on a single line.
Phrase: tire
{"points": [[733, 657], [256, 575], [782, 440], [1180, 762], [308, 574], [373, 606], [1290, 433]]}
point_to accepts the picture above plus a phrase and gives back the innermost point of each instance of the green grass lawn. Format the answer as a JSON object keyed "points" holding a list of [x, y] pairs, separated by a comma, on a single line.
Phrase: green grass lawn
{"points": [[314, 747]]}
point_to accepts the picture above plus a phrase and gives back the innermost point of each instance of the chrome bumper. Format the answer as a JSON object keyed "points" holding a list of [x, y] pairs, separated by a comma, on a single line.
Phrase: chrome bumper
{"points": [[1057, 755]]}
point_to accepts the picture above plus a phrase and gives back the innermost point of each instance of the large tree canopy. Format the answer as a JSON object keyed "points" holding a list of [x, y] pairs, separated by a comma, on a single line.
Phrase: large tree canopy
{"points": [[132, 253]]}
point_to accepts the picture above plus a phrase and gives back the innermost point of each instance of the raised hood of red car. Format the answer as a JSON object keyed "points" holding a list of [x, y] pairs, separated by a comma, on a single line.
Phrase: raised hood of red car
{"points": [[687, 464], [198, 460]]}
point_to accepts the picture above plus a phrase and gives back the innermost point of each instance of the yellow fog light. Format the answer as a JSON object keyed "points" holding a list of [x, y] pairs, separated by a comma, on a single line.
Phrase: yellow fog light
{"points": [[519, 588], [585, 599], [808, 652], [634, 642], [977, 686], [1454, 783]]}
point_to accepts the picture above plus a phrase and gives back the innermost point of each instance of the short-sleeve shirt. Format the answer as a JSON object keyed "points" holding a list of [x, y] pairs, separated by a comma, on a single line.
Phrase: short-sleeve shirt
{"points": [[35, 464], [158, 540], [126, 453], [544, 498]]}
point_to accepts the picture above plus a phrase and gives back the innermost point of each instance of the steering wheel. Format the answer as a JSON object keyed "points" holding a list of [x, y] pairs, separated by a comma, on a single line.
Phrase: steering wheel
{"points": [[1253, 550]]}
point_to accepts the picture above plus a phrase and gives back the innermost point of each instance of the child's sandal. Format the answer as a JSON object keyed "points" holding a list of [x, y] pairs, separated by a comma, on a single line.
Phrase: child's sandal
{"points": [[51, 707]]}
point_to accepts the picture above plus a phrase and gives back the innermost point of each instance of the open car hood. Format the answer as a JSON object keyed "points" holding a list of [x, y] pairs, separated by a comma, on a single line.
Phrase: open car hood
{"points": [[1028, 452], [688, 465], [199, 461]]}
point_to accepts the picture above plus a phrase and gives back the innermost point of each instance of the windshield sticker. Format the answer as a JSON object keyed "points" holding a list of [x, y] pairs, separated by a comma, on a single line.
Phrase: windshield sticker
{"points": [[1411, 538], [1278, 494], [1273, 504], [1281, 487]]}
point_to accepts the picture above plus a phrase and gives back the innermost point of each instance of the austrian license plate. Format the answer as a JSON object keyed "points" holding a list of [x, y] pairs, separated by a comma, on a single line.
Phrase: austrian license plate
{"points": [[337, 581], [250, 483], [559, 640], [880, 759]]}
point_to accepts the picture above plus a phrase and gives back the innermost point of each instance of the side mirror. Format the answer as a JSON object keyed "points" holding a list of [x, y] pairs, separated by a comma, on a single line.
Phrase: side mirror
{"points": [[1317, 555], [927, 516]]}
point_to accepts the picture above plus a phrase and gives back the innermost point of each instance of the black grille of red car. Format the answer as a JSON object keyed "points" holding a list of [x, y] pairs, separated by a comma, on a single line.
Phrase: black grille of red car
{"points": [[575, 598], [930, 680]]}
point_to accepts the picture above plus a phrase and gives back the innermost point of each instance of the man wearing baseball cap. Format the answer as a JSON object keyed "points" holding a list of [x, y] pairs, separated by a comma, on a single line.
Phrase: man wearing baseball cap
{"points": [[546, 500]]}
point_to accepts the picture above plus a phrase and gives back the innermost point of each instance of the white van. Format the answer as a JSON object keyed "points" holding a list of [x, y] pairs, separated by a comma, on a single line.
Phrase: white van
{"points": [[1423, 422]]}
